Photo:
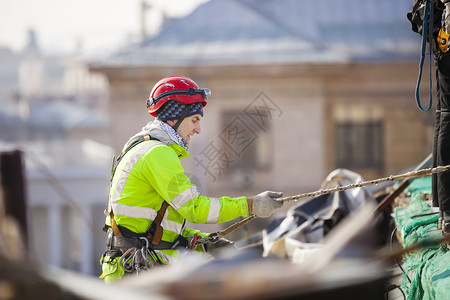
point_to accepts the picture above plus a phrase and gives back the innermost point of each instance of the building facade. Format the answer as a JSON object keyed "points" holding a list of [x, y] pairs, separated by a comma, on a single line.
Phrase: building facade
{"points": [[299, 89]]}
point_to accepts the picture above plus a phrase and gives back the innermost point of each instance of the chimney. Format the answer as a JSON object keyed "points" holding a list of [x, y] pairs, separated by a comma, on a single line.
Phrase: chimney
{"points": [[143, 11]]}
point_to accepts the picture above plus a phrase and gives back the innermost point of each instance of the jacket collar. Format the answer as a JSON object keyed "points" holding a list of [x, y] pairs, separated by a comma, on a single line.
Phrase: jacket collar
{"points": [[180, 151], [164, 133]]}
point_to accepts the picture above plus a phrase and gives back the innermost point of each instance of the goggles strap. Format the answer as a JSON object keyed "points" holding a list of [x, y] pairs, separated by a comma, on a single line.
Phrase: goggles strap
{"points": [[188, 92]]}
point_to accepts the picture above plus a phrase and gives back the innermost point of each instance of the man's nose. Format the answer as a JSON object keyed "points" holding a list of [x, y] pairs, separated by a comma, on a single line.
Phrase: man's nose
{"points": [[197, 129]]}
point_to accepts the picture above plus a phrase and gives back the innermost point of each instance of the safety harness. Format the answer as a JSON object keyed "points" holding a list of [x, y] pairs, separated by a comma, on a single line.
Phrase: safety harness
{"points": [[125, 238], [137, 250]]}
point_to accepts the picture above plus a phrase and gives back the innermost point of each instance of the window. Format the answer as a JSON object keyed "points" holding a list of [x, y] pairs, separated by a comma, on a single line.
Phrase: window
{"points": [[244, 142], [359, 145], [358, 135]]}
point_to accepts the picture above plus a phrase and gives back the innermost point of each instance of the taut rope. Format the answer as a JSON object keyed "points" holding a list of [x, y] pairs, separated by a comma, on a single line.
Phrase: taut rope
{"points": [[412, 174]]}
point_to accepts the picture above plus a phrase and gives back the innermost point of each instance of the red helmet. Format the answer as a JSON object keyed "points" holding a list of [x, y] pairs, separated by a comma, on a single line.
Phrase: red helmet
{"points": [[178, 88]]}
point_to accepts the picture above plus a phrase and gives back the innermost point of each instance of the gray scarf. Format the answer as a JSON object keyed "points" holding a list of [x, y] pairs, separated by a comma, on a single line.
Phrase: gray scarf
{"points": [[161, 131]]}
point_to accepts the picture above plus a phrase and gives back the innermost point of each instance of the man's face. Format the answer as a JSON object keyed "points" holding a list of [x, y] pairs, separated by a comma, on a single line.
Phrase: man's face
{"points": [[189, 126]]}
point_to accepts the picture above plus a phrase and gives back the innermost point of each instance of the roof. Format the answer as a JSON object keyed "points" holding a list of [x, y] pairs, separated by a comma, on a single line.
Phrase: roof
{"points": [[277, 31], [64, 115], [48, 119]]}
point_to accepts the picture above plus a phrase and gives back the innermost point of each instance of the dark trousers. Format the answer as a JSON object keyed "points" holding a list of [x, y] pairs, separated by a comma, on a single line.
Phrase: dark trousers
{"points": [[441, 143]]}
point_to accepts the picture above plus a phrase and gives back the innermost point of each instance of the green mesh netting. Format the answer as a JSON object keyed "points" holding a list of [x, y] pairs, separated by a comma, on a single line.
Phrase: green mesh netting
{"points": [[427, 268]]}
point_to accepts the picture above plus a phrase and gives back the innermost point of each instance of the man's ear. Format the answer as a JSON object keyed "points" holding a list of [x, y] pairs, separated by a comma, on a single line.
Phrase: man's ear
{"points": [[170, 122]]}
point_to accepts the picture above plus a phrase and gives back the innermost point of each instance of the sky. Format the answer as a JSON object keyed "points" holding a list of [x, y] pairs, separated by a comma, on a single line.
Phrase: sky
{"points": [[91, 26]]}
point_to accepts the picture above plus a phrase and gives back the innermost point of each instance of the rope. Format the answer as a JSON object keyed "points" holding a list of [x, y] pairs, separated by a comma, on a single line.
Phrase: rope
{"points": [[412, 174], [427, 34]]}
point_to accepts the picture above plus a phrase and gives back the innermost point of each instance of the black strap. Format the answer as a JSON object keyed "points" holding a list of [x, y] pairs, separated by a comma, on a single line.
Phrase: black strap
{"points": [[181, 118], [115, 162], [120, 242]]}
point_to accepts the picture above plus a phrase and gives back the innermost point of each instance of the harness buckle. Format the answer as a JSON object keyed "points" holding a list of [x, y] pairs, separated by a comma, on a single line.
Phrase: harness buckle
{"points": [[147, 244], [109, 239]]}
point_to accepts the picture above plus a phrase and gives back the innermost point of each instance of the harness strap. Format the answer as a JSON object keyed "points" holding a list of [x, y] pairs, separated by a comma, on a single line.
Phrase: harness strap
{"points": [[155, 231], [120, 242], [114, 226], [154, 234], [115, 162]]}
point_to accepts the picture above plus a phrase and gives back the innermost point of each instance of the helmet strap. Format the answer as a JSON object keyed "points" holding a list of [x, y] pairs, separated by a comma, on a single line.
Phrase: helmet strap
{"points": [[182, 117]]}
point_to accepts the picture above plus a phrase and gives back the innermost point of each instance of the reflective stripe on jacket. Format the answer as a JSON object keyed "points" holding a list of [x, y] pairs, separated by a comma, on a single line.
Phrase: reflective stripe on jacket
{"points": [[150, 173]]}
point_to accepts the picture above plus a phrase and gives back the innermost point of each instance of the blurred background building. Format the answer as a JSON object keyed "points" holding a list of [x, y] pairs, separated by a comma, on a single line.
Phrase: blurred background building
{"points": [[299, 88], [53, 109]]}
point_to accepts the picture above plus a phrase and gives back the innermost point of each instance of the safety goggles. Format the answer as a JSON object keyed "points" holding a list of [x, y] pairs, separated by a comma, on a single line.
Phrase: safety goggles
{"points": [[205, 93]]}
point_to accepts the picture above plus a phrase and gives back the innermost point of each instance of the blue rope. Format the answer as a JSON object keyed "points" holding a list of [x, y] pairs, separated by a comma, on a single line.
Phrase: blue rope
{"points": [[427, 34]]}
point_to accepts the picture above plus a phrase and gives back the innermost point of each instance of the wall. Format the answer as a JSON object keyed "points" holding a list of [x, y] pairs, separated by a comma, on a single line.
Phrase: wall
{"points": [[302, 132], [389, 87]]}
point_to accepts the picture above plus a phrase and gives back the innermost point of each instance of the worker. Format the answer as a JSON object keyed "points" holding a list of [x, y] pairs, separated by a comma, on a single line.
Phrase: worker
{"points": [[438, 42], [441, 146], [151, 197]]}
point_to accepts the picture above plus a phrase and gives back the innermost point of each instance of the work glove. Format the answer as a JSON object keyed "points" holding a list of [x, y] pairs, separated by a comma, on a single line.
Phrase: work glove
{"points": [[264, 204]]}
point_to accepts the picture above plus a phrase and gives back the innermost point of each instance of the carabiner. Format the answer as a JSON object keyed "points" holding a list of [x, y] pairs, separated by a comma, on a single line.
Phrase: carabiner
{"points": [[194, 242]]}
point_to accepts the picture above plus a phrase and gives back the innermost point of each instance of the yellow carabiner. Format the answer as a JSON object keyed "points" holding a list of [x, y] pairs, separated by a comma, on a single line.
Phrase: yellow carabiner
{"points": [[443, 40]]}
